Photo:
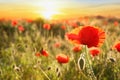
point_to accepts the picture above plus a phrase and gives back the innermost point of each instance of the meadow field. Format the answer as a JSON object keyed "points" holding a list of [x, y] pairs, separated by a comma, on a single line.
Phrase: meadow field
{"points": [[47, 49]]}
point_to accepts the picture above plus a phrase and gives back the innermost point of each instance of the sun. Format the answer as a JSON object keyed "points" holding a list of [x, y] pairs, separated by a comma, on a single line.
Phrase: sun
{"points": [[49, 10], [49, 14]]}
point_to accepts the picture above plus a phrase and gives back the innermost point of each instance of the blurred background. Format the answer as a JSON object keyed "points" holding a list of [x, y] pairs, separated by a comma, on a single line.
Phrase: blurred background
{"points": [[58, 9]]}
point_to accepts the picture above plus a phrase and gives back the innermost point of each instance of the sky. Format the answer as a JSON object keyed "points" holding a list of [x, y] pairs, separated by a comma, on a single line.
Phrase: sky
{"points": [[57, 9]]}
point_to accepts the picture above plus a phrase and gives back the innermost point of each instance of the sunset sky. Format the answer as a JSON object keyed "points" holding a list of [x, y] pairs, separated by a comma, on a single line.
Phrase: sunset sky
{"points": [[56, 9]]}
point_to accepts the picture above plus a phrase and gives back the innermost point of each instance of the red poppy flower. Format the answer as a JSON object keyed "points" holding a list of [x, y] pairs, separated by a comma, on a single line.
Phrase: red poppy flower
{"points": [[62, 58], [74, 25], [44, 53], [117, 46], [14, 23], [37, 54], [21, 28], [77, 48], [116, 23], [63, 27], [94, 51], [47, 26], [87, 35], [57, 45]]}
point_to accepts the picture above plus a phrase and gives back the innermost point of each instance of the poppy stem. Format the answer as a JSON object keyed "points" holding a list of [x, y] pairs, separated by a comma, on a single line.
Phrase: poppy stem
{"points": [[89, 64]]}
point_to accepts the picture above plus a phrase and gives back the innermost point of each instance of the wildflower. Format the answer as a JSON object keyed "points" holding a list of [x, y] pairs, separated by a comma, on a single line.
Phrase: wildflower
{"points": [[37, 54], [63, 27], [14, 23], [117, 46], [21, 28], [44, 53], [116, 23], [74, 25], [87, 35], [77, 48], [94, 51], [61, 58], [47, 26], [57, 45]]}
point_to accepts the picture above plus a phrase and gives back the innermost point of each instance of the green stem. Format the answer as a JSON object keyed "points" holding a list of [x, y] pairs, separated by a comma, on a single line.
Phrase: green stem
{"points": [[88, 64], [45, 74]]}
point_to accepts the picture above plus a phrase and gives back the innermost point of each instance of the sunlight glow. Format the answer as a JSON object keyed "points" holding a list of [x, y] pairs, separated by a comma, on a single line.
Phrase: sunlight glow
{"points": [[49, 10], [49, 14]]}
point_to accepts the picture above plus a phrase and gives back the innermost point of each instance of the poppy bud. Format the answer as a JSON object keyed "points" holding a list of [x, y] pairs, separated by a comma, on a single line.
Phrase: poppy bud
{"points": [[61, 58]]}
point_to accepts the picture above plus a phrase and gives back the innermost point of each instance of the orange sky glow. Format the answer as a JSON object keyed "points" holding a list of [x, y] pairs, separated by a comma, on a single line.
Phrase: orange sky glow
{"points": [[56, 9]]}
